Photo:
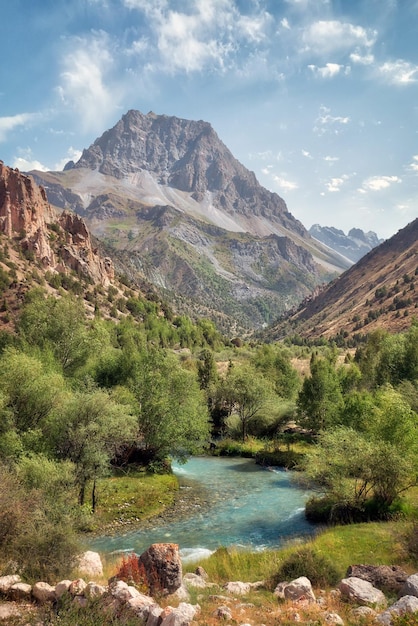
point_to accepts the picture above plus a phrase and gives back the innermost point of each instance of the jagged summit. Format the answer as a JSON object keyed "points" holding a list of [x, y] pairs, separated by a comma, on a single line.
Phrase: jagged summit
{"points": [[169, 195], [353, 246]]}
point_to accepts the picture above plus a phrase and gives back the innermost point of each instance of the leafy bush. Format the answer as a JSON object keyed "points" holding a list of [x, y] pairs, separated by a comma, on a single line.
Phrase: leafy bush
{"points": [[307, 562]]}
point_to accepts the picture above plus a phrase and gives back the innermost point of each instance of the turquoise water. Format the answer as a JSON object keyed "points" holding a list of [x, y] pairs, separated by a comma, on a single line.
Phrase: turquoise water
{"points": [[241, 505]]}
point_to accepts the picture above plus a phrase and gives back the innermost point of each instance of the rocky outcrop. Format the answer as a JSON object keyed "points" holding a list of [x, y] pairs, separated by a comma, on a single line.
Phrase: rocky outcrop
{"points": [[79, 254], [362, 592], [388, 578], [25, 213], [60, 243]]}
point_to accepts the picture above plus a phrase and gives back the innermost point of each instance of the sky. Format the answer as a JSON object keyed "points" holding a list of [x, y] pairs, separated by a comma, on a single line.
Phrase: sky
{"points": [[318, 97]]}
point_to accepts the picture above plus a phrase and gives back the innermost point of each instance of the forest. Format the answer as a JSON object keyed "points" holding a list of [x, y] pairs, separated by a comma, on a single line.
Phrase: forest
{"points": [[84, 398]]}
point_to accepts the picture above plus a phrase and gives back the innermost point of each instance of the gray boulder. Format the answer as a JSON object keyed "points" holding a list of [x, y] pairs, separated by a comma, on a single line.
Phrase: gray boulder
{"points": [[299, 589], [385, 577], [62, 587], [362, 592], [7, 581], [43, 592], [20, 591], [410, 587], [406, 604], [90, 564], [183, 615]]}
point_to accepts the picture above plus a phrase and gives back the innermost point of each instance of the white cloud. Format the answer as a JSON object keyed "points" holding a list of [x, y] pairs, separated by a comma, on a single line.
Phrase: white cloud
{"points": [[377, 183], [307, 154], [329, 70], [399, 72], [285, 23], [283, 183], [85, 85], [325, 36], [414, 165], [331, 159], [325, 122], [27, 162], [361, 58], [72, 155], [8, 124], [334, 185]]}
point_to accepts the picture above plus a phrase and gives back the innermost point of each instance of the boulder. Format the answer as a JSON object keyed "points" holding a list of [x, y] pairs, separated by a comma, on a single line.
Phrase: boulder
{"points": [[81, 602], [333, 619], [9, 612], [183, 615], [385, 577], [123, 592], [363, 613], [154, 615], [406, 604], [7, 581], [90, 564], [62, 587], [279, 590], [362, 592], [20, 591], [43, 592], [223, 612], [410, 587], [199, 571], [299, 589], [77, 587], [162, 566], [194, 580], [93, 590], [141, 605]]}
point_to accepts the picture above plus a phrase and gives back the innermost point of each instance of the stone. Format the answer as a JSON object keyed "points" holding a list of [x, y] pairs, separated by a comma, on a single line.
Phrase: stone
{"points": [[410, 586], [388, 578], [62, 587], [90, 564], [183, 615], [9, 612], [363, 612], [140, 606], [7, 581], [406, 604], [123, 592], [362, 592], [299, 589], [43, 592], [162, 566], [20, 591], [181, 594], [81, 602], [223, 612], [77, 587], [237, 588], [279, 590], [333, 619], [202, 573], [194, 580], [93, 590], [154, 615]]}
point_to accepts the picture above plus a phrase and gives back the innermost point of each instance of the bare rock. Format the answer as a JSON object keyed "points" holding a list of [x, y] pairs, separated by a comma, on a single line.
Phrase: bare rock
{"points": [[410, 586], [333, 619], [123, 592], [141, 605], [20, 591], [43, 592], [154, 615], [193, 580], [363, 612], [362, 592], [202, 573], [77, 587], [299, 589], [10, 611], [90, 564], [62, 587], [162, 566], [183, 615], [388, 578], [279, 591], [181, 594], [7, 581], [223, 612], [93, 590], [237, 588], [406, 604]]}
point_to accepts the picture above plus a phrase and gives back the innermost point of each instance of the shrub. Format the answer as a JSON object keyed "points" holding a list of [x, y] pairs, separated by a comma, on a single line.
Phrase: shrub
{"points": [[307, 562]]}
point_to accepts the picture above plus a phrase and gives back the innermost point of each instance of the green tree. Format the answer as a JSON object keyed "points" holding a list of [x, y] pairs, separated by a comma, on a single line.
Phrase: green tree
{"points": [[172, 413], [249, 395], [320, 399], [90, 429], [274, 362]]}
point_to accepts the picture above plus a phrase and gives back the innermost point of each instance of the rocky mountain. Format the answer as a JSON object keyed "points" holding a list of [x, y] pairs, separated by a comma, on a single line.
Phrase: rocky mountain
{"points": [[27, 216], [174, 205], [353, 246], [380, 291]]}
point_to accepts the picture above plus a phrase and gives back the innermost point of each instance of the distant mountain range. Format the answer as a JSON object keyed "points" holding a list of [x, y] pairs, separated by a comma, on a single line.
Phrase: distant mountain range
{"points": [[352, 246], [173, 205], [379, 291]]}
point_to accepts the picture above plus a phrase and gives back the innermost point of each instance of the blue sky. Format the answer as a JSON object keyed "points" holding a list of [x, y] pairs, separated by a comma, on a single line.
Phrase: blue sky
{"points": [[318, 97]]}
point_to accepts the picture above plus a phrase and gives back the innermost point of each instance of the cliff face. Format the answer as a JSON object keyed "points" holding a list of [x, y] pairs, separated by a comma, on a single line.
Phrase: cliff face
{"points": [[26, 215]]}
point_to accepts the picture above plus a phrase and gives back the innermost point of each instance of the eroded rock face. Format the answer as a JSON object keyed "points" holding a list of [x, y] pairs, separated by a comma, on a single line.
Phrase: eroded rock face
{"points": [[25, 212], [384, 577], [162, 566]]}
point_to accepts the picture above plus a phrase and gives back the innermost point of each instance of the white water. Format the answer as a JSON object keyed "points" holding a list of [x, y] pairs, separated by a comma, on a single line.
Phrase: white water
{"points": [[243, 505]]}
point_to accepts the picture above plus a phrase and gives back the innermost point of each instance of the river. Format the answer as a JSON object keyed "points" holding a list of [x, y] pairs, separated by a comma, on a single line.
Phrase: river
{"points": [[240, 504]]}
